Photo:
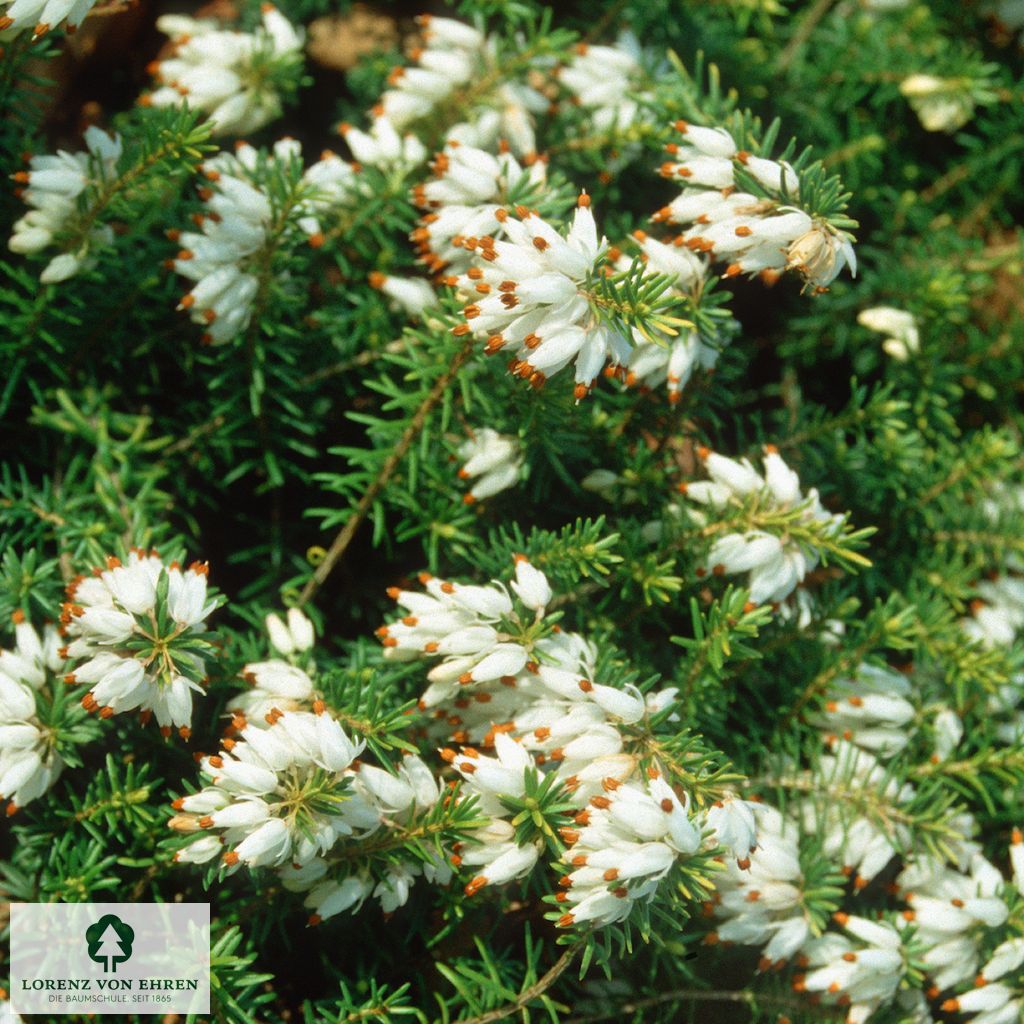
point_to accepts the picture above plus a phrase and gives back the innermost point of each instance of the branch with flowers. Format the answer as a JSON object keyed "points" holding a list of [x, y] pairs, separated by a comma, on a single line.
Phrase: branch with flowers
{"points": [[595, 433]]}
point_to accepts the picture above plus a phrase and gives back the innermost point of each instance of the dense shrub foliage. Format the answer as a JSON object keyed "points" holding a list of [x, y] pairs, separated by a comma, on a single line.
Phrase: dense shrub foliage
{"points": [[520, 507]]}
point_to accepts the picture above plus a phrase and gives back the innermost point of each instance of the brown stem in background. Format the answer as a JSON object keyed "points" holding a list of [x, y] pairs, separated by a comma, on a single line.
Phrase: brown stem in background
{"points": [[412, 431]]}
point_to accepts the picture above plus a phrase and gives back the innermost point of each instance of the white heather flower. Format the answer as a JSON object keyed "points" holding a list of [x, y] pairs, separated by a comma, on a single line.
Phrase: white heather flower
{"points": [[489, 778], [870, 710], [376, 800], [531, 585], [998, 612], [33, 655], [533, 707], [456, 57], [448, 63], [42, 15], [275, 686], [330, 183], [239, 226], [733, 825], [237, 79], [941, 104], [467, 199], [463, 625], [412, 295], [775, 564], [670, 360], [236, 229], [393, 889], [604, 81], [295, 635], [990, 1004], [540, 688], [802, 609], [234, 232], [632, 835], [383, 147], [63, 190], [112, 619], [863, 971], [334, 896], [530, 293], [754, 234], [568, 722], [492, 461], [903, 339], [761, 902], [861, 846], [1006, 957], [29, 761], [495, 855], [281, 794], [949, 731], [950, 910]]}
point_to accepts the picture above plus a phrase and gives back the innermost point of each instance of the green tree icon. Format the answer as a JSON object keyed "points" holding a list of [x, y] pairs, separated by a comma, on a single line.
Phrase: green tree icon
{"points": [[110, 941]]}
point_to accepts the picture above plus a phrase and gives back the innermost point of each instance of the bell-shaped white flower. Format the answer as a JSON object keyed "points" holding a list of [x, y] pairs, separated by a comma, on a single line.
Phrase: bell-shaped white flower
{"points": [[238, 79]]}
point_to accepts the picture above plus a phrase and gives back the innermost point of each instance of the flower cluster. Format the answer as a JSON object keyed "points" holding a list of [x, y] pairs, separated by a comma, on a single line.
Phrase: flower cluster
{"points": [[660, 359], [140, 625], [764, 233], [860, 968], [392, 803], [775, 563], [761, 903], [468, 199], [492, 461], [63, 190], [288, 788], [287, 794], [953, 910], [282, 683], [997, 620], [632, 835], [277, 795], [902, 340], [532, 293], [863, 847], [412, 295], [508, 683], [941, 104], [606, 82], [238, 79], [29, 760], [243, 223], [235, 230], [950, 915], [383, 147], [870, 710], [457, 61], [43, 15]]}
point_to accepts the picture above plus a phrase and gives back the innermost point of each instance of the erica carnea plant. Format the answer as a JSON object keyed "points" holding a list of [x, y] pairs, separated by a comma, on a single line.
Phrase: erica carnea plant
{"points": [[595, 434]]}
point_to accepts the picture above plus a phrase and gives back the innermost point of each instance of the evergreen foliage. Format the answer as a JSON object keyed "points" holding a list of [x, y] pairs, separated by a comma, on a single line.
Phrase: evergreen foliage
{"points": [[286, 366]]}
